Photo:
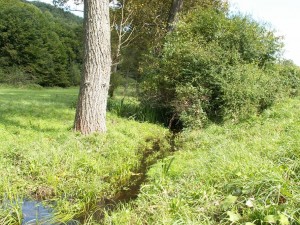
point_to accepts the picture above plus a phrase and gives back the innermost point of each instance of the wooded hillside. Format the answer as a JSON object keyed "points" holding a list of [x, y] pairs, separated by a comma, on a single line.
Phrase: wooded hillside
{"points": [[39, 44]]}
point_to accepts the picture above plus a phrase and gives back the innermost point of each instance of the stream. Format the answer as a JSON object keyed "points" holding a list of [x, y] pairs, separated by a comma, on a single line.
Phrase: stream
{"points": [[34, 212]]}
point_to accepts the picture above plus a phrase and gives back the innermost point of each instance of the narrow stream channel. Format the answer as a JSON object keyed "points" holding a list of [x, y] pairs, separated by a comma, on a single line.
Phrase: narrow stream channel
{"points": [[34, 212], [130, 193]]}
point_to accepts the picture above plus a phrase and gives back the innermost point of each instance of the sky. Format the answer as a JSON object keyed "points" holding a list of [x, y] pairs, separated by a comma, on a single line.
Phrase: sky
{"points": [[282, 15]]}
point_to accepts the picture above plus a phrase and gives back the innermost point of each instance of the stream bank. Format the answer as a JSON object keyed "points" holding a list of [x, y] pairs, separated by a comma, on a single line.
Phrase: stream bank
{"points": [[36, 212], [129, 192]]}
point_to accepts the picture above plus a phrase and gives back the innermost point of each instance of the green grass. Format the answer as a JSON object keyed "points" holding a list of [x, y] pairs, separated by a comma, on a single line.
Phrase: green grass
{"points": [[125, 104], [246, 173], [42, 158]]}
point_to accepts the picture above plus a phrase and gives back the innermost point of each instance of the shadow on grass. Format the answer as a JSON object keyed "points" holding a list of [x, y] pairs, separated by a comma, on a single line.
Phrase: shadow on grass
{"points": [[42, 111], [11, 124], [132, 109]]}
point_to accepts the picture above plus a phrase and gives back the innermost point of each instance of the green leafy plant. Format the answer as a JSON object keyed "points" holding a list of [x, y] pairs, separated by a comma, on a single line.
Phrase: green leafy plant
{"points": [[215, 67]]}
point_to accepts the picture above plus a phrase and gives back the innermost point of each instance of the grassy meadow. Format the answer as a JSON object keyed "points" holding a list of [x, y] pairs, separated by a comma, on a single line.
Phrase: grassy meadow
{"points": [[245, 173], [41, 158], [218, 79]]}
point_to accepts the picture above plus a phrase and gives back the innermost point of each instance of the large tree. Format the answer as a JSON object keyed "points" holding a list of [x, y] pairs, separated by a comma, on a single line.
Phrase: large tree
{"points": [[150, 23], [92, 100]]}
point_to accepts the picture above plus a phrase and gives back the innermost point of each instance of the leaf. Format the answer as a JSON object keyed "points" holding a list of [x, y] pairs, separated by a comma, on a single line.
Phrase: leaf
{"points": [[283, 219], [239, 174], [250, 203], [233, 217], [270, 219], [248, 223], [229, 200], [286, 192]]}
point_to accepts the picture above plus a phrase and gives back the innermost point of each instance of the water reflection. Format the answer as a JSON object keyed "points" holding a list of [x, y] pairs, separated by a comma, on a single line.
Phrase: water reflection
{"points": [[35, 213]]}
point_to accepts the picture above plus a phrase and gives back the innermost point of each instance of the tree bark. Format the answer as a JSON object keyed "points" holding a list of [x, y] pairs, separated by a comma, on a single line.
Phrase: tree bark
{"points": [[92, 101], [175, 9]]}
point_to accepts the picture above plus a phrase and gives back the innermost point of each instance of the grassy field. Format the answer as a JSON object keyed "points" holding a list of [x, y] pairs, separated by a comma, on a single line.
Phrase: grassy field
{"points": [[246, 173], [41, 158]]}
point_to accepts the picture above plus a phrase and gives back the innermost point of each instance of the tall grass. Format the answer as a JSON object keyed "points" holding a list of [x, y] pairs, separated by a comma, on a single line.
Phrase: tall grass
{"points": [[41, 158], [246, 173], [126, 105]]}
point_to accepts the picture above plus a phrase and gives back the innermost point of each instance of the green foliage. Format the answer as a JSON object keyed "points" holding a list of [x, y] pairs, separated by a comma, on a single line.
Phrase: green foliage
{"points": [[43, 48], [247, 90], [290, 74], [215, 67], [14, 76], [148, 21]]}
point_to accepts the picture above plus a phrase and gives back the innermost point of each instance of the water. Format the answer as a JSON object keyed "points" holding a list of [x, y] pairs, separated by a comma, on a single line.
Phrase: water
{"points": [[35, 213]]}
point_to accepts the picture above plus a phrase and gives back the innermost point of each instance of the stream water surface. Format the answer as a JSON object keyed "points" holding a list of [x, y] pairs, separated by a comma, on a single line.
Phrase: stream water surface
{"points": [[35, 213]]}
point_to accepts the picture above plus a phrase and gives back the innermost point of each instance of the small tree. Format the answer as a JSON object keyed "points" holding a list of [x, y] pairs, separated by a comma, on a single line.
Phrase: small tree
{"points": [[122, 35]]}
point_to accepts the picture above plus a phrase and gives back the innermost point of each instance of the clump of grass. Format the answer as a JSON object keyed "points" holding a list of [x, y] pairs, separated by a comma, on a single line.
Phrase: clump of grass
{"points": [[41, 158], [246, 173], [132, 109]]}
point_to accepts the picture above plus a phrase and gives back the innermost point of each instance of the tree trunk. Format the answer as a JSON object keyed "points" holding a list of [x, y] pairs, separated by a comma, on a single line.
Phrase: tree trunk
{"points": [[175, 9], [92, 101], [112, 86]]}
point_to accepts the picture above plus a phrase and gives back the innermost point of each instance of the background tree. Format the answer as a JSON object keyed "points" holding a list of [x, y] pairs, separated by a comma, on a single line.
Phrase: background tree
{"points": [[175, 9], [122, 34], [37, 48]]}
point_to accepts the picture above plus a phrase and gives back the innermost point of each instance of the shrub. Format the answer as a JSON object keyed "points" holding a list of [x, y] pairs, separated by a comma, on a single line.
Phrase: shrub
{"points": [[214, 67], [246, 90], [290, 74], [15, 76]]}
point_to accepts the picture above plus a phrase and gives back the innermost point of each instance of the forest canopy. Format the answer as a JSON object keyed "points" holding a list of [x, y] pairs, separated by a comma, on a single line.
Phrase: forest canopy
{"points": [[39, 44]]}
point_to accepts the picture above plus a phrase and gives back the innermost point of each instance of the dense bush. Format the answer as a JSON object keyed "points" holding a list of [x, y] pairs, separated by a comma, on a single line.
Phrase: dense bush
{"points": [[37, 48], [290, 74], [215, 67]]}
